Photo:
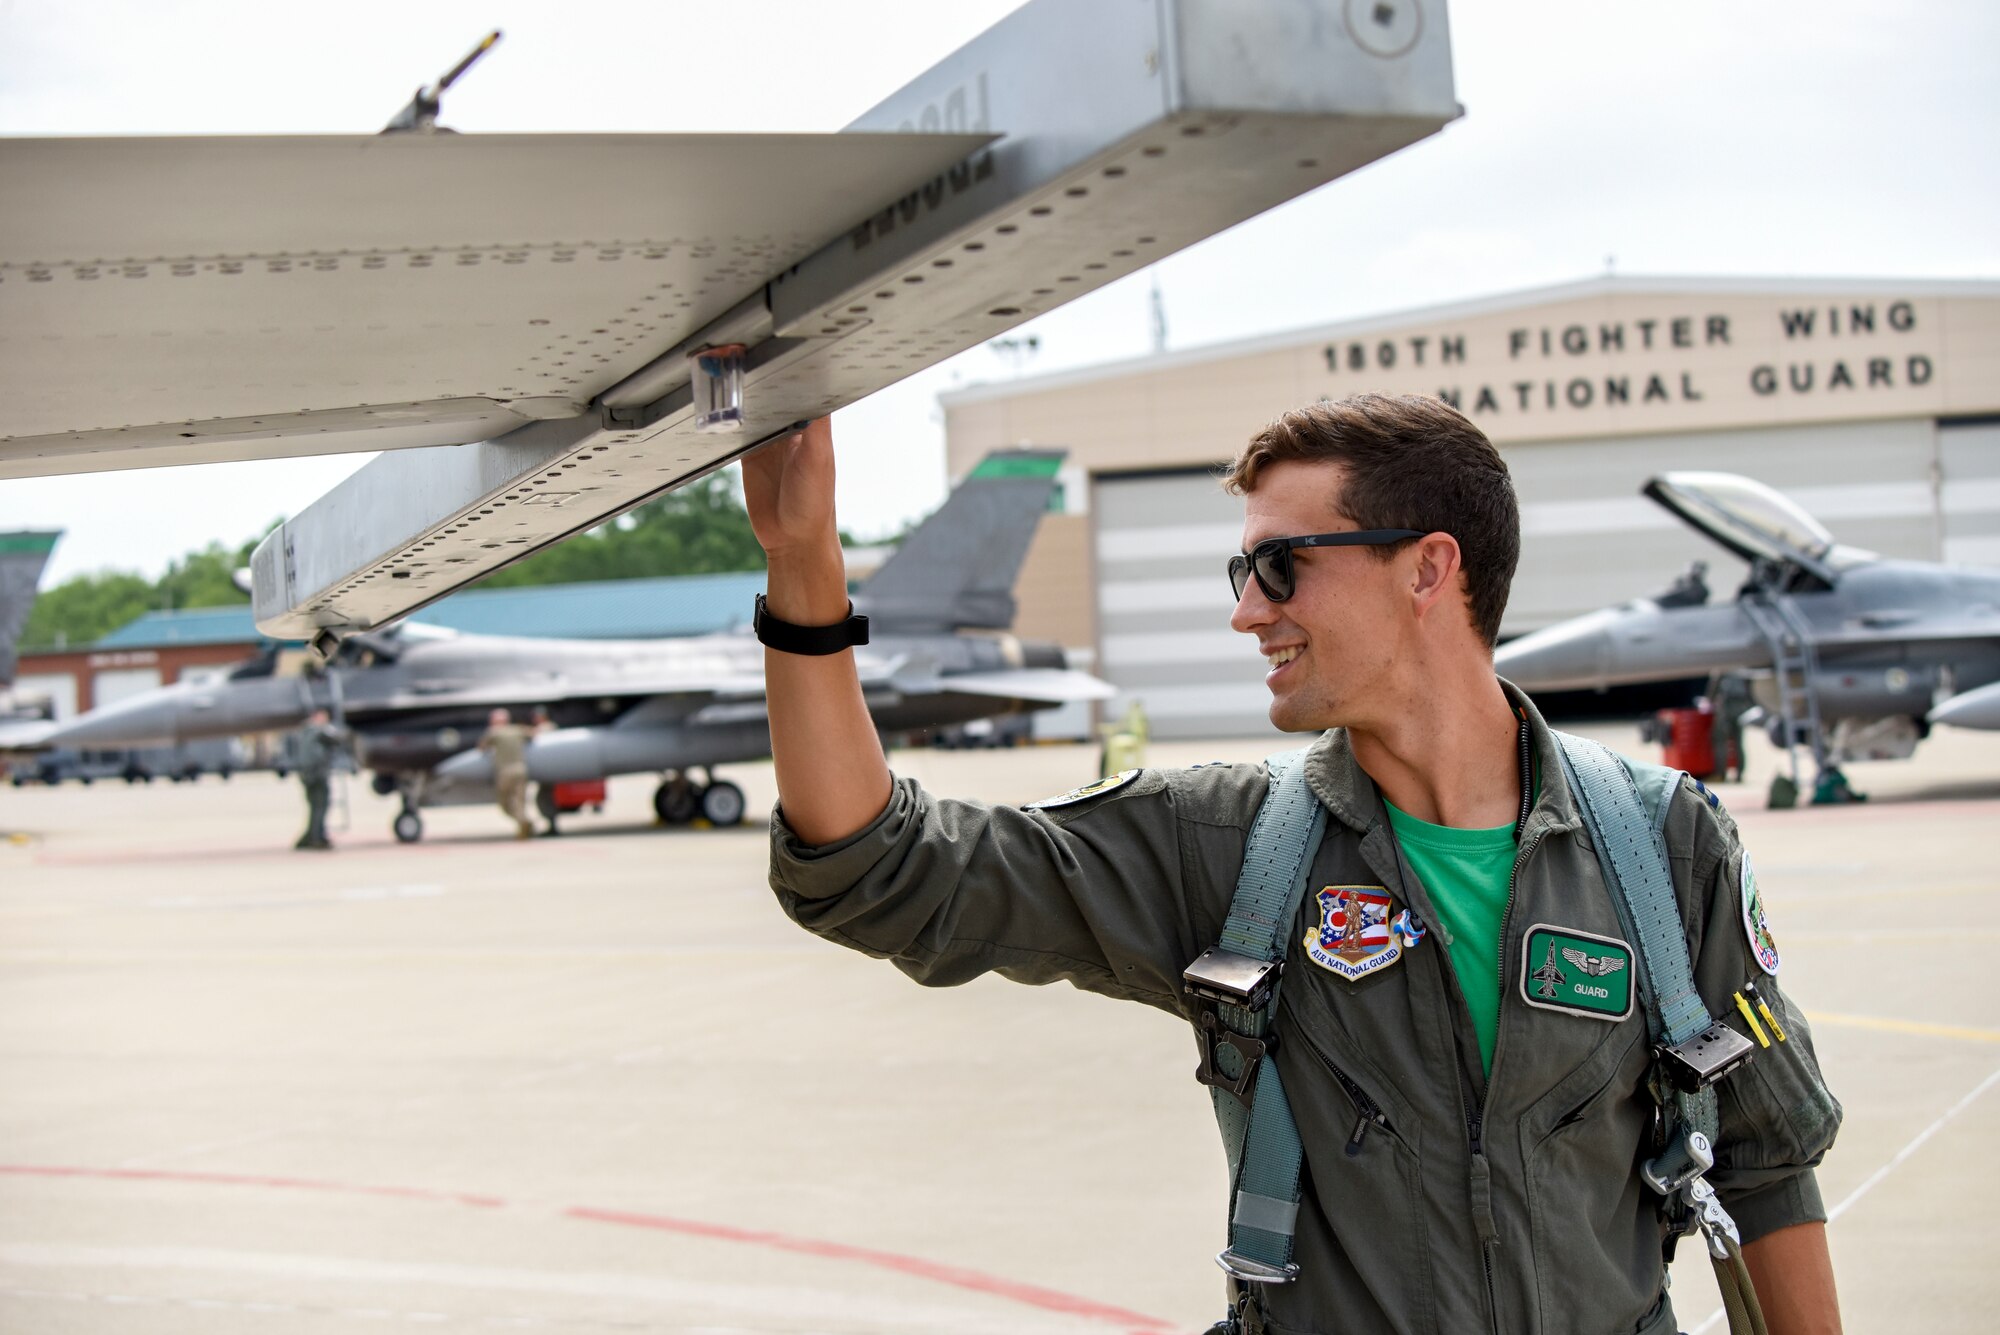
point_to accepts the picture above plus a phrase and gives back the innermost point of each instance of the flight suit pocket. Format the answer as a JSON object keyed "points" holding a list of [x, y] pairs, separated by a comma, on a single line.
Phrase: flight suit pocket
{"points": [[1362, 1231], [1596, 1226]]}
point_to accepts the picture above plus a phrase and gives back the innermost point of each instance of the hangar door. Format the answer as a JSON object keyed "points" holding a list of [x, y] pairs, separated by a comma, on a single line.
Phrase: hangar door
{"points": [[1969, 470], [109, 687], [1590, 540], [59, 688], [1163, 605]]}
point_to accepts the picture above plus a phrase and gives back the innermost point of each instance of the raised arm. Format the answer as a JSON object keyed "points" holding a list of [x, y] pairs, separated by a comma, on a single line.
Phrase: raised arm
{"points": [[832, 779]]}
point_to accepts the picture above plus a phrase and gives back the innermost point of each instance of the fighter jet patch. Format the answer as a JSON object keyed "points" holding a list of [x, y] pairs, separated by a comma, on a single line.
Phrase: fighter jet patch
{"points": [[1353, 937], [1756, 928], [1108, 784], [1578, 972]]}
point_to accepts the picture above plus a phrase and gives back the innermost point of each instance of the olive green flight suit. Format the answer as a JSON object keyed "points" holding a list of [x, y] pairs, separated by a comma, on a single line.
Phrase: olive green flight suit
{"points": [[1512, 1205]]}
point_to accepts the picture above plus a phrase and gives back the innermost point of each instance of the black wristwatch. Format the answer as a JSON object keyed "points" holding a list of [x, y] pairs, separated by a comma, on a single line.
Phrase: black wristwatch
{"points": [[815, 640]]}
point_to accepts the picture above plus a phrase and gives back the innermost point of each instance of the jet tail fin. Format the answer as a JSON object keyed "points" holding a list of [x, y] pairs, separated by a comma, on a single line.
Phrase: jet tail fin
{"points": [[957, 570], [22, 556]]}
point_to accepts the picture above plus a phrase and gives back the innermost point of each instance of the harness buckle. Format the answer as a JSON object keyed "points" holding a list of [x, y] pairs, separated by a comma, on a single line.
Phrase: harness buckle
{"points": [[1213, 1037], [1699, 1062], [1221, 977], [1230, 978], [1680, 1163], [1245, 1270], [1679, 1175], [1717, 1228]]}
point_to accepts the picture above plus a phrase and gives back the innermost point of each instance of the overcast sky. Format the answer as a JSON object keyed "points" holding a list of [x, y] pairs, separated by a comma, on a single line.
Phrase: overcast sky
{"points": [[1787, 138]]}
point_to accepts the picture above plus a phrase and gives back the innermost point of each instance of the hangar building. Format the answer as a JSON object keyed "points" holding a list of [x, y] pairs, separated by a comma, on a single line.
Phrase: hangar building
{"points": [[1874, 403]]}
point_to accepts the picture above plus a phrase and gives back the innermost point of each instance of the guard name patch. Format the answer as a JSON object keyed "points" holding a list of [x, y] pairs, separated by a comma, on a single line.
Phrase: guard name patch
{"points": [[1577, 972], [1109, 783]]}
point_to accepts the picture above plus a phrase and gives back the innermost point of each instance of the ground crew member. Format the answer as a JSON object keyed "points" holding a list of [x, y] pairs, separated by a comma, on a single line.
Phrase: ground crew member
{"points": [[316, 743], [1731, 699], [540, 722], [507, 743], [1472, 1132]]}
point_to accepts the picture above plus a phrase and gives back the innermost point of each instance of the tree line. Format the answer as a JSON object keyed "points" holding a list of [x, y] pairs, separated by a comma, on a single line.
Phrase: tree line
{"points": [[701, 529]]}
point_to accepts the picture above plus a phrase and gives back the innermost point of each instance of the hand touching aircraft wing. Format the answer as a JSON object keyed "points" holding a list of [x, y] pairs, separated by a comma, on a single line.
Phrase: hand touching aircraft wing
{"points": [[531, 302]]}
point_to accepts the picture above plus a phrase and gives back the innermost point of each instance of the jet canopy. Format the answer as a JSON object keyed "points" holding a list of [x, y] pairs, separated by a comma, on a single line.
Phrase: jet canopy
{"points": [[1755, 521]]}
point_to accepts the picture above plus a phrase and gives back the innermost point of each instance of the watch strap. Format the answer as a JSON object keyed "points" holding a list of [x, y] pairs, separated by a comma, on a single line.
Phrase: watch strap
{"points": [[816, 641]]}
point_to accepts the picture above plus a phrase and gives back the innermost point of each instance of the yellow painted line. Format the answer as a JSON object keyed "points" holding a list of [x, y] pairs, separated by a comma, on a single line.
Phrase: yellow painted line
{"points": [[1856, 936], [1919, 890], [1885, 1024]]}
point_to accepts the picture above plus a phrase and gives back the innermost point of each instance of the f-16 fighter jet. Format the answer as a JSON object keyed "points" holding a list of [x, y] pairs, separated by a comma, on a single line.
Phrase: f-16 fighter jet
{"points": [[1850, 655], [417, 699]]}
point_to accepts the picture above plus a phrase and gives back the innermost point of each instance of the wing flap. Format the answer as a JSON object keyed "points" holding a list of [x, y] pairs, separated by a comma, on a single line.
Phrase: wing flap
{"points": [[471, 283], [1060, 686]]}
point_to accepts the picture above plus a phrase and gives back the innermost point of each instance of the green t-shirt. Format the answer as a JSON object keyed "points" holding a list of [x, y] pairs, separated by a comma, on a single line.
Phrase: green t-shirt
{"points": [[1467, 873]]}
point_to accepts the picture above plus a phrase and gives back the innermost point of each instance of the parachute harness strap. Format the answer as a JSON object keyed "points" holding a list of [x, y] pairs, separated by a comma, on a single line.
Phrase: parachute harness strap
{"points": [[1632, 850], [1258, 1131]]}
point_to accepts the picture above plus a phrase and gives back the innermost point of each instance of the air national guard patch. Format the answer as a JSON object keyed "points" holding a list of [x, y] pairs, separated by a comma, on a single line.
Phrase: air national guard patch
{"points": [[1577, 972], [1755, 926], [1353, 937], [1109, 783]]}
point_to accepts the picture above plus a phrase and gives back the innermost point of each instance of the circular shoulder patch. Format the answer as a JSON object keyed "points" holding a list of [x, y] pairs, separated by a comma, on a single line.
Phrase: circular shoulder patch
{"points": [[1109, 783], [1756, 927]]}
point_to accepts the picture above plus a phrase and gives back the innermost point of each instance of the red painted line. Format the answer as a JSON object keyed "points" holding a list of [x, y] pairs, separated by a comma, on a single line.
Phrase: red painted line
{"points": [[956, 1276], [961, 1277]]}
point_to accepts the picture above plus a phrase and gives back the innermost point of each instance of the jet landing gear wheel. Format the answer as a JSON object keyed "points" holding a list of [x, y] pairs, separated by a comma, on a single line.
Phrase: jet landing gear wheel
{"points": [[408, 826], [676, 801], [722, 803]]}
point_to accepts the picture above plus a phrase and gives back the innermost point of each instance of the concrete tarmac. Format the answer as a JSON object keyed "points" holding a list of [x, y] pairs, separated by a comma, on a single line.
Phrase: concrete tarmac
{"points": [[600, 1084]]}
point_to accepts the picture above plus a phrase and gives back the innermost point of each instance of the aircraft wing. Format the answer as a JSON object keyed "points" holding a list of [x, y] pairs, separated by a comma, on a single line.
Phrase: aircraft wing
{"points": [[291, 295], [841, 263], [660, 692], [679, 696], [1059, 686]]}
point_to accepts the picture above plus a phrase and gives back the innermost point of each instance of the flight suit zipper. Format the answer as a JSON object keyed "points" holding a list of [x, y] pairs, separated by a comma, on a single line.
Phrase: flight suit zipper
{"points": [[1474, 1086], [1482, 1168], [1473, 1091], [1369, 1112]]}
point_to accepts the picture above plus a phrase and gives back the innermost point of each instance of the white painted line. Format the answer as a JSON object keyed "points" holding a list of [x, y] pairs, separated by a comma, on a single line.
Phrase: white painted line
{"points": [[1876, 1177], [1911, 1148]]}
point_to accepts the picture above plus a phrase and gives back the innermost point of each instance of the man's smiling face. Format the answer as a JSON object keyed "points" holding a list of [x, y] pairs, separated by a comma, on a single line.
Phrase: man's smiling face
{"points": [[1331, 647]]}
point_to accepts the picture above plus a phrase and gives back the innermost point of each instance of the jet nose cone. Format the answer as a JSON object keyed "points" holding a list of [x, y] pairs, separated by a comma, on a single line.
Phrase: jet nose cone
{"points": [[465, 767], [152, 719], [1973, 709], [1572, 655]]}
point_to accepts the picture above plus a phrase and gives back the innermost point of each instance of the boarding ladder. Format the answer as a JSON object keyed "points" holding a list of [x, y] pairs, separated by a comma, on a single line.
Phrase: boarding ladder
{"points": [[1795, 666]]}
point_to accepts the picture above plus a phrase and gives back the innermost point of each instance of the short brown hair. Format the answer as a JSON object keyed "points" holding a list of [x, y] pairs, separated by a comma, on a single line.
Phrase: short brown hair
{"points": [[1412, 462]]}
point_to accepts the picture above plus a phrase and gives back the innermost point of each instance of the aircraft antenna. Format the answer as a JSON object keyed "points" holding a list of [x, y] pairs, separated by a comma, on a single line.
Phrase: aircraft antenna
{"points": [[420, 116]]}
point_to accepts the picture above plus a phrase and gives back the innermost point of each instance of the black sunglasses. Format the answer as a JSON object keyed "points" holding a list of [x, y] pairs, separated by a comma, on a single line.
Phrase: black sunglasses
{"points": [[1271, 559]]}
